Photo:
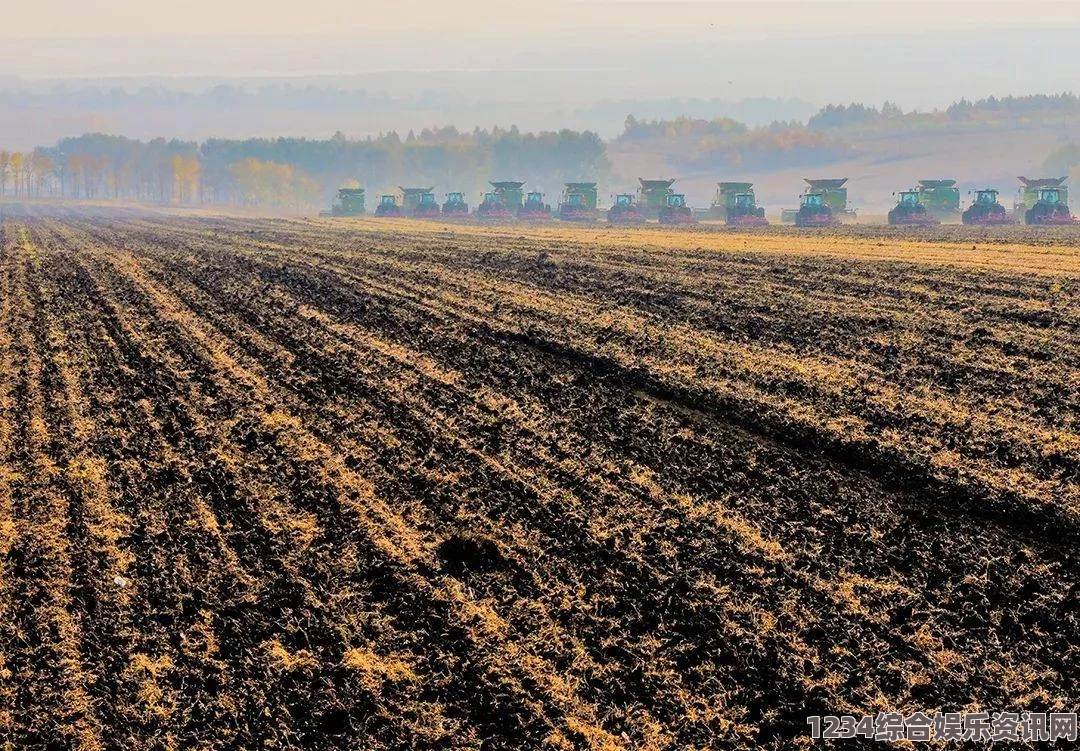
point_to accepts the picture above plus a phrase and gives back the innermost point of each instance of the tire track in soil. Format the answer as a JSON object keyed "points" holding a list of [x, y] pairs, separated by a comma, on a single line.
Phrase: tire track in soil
{"points": [[52, 701], [277, 597], [262, 304], [474, 622]]}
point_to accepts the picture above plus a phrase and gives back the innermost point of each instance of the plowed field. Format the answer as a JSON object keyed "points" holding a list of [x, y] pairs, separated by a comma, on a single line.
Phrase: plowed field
{"points": [[361, 485]]}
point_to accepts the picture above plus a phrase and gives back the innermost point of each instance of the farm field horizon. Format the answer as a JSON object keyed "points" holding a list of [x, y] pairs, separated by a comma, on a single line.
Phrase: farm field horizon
{"points": [[298, 482]]}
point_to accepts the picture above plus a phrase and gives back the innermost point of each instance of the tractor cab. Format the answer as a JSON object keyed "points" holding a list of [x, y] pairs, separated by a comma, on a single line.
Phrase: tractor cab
{"points": [[387, 201], [745, 201], [624, 200], [986, 197], [814, 200], [909, 198], [676, 201], [455, 198], [534, 198], [427, 200], [1050, 195], [575, 200]]}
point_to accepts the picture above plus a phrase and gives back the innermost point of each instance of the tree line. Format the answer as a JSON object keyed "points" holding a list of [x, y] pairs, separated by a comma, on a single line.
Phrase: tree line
{"points": [[297, 172]]}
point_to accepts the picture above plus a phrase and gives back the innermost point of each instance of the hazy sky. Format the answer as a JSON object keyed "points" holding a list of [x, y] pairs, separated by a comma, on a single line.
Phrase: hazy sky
{"points": [[506, 18], [919, 54]]}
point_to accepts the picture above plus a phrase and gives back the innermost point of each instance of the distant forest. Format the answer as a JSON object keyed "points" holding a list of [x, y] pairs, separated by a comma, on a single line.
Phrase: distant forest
{"points": [[301, 173]]}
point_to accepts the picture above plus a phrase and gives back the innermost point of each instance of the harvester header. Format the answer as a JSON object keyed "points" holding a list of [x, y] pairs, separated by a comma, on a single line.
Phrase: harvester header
{"points": [[830, 183], [1043, 182]]}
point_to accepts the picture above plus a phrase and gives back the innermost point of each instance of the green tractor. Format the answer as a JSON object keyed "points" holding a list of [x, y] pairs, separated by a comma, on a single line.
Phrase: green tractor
{"points": [[676, 211], [455, 205], [1043, 201], [1050, 208], [726, 193], [986, 211], [833, 194], [578, 202], [349, 202], [625, 211], [911, 211], [388, 206], [744, 212], [419, 202], [534, 208], [815, 211], [492, 208]]}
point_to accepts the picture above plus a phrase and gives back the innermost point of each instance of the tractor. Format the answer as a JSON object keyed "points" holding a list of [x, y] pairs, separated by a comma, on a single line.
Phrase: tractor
{"points": [[725, 198], [910, 211], [1050, 208], [1030, 194], [492, 208], [388, 206], [985, 211], [578, 202], [744, 211], [675, 211], [534, 207], [833, 194], [815, 211], [625, 211], [419, 202], [455, 205], [349, 202]]}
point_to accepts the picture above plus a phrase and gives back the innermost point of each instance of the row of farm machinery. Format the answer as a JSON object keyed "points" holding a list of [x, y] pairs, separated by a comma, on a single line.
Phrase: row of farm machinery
{"points": [[823, 203]]}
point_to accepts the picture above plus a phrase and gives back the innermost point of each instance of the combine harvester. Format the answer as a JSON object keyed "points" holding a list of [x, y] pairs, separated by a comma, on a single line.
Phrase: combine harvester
{"points": [[653, 196], [578, 202], [503, 203], [419, 202], [1044, 201], [727, 200], [388, 206], [675, 210], [455, 205], [833, 195], [534, 209], [941, 198], [349, 202], [986, 211], [625, 211], [909, 211]]}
